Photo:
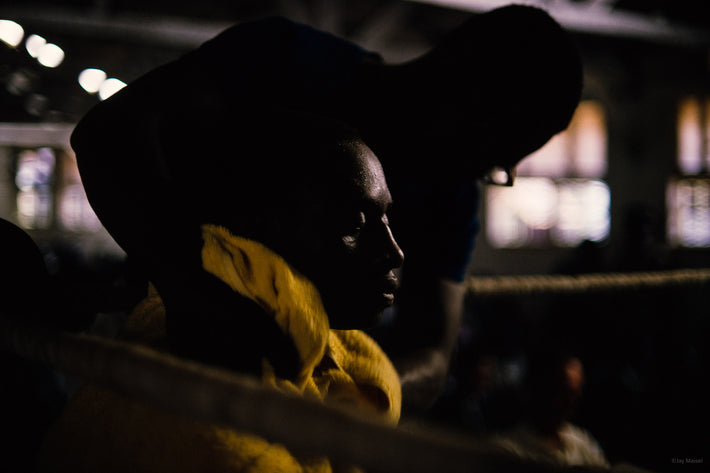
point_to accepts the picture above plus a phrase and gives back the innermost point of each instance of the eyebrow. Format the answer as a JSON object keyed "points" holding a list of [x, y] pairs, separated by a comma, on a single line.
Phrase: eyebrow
{"points": [[376, 203]]}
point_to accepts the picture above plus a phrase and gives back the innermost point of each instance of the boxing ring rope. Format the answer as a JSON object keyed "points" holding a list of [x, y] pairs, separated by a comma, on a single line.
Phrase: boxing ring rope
{"points": [[499, 286], [204, 393], [218, 396]]}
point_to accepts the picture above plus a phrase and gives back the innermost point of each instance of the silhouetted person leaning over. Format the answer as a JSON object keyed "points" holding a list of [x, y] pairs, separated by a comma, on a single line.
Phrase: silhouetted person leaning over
{"points": [[494, 90]]}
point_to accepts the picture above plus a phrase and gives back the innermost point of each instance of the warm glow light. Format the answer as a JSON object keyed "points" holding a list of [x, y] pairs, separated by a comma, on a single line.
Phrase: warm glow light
{"points": [[11, 33], [589, 129], [110, 87], [571, 210], [34, 44], [690, 137], [91, 79], [583, 212], [515, 213], [536, 204], [557, 198], [503, 226], [50, 55], [579, 151], [549, 161]]}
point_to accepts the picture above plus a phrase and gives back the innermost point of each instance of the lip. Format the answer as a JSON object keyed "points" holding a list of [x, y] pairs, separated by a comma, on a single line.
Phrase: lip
{"points": [[387, 289], [389, 284]]}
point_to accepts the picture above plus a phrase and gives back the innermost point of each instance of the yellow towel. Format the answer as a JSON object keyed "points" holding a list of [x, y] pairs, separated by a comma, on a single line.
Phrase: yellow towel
{"points": [[256, 272], [103, 431]]}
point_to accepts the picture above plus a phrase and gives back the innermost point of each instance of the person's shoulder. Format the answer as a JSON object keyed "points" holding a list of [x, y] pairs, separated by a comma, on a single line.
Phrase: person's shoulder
{"points": [[521, 441], [581, 443], [578, 434]]}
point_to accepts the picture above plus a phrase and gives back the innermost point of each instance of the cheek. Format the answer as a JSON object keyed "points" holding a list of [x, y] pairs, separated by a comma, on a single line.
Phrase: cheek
{"points": [[340, 265], [329, 261], [349, 243]]}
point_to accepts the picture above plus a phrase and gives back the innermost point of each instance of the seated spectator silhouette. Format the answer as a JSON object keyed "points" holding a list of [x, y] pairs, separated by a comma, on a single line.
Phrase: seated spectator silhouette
{"points": [[554, 383], [289, 254], [31, 394]]}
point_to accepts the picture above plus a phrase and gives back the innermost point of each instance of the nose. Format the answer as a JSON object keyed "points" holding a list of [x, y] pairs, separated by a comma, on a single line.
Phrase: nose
{"points": [[392, 255]]}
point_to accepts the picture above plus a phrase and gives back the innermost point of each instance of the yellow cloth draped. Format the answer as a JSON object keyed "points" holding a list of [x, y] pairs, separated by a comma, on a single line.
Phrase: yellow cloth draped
{"points": [[254, 271], [103, 431]]}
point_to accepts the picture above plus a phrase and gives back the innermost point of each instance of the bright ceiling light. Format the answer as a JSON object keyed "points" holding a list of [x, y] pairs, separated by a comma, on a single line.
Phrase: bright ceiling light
{"points": [[50, 55], [11, 33], [34, 43], [91, 79], [110, 87]]}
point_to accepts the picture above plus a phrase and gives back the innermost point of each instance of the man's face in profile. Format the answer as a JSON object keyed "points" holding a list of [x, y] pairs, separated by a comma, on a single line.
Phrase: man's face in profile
{"points": [[351, 250]]}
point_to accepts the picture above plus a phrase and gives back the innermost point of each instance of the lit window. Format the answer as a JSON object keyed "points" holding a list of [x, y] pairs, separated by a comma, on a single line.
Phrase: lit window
{"points": [[688, 195], [34, 176], [689, 212], [583, 212], [558, 198], [50, 194]]}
